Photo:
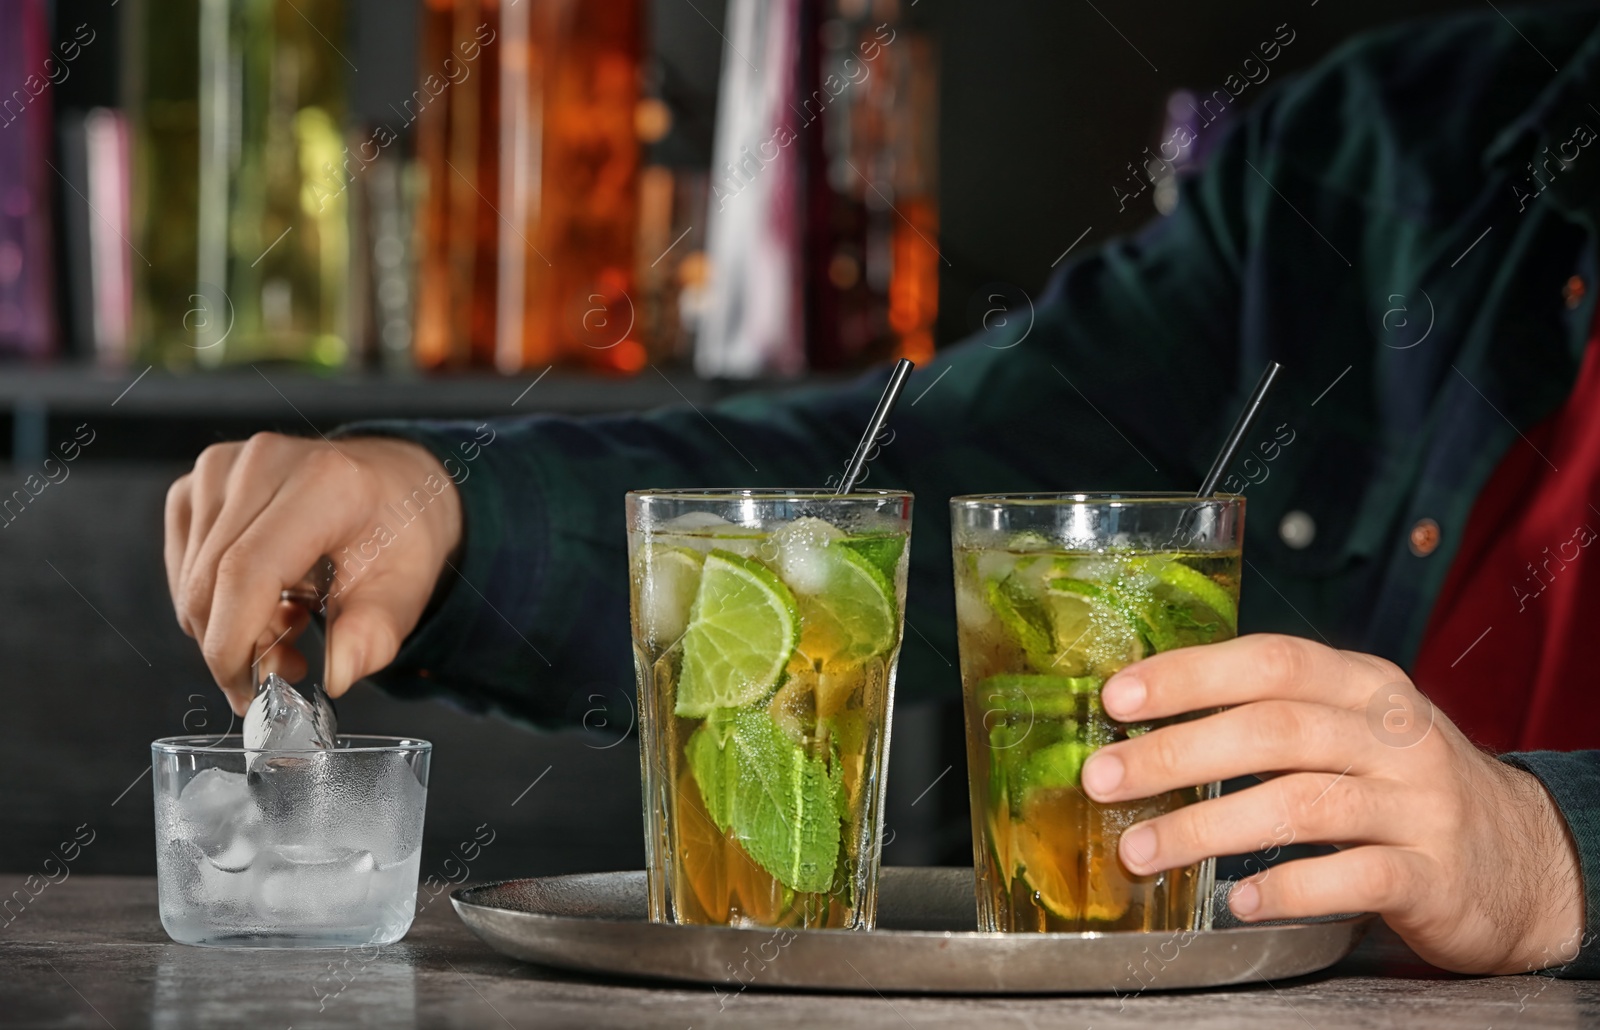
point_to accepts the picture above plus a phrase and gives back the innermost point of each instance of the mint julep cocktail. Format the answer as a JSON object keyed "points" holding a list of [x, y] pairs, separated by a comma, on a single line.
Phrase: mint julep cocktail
{"points": [[766, 625]]}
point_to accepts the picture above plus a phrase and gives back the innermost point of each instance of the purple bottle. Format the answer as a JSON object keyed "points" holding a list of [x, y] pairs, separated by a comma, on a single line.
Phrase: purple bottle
{"points": [[27, 288]]}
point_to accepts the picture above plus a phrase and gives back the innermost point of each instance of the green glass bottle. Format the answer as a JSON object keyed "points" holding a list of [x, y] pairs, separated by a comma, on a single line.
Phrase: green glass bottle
{"points": [[161, 67], [274, 178]]}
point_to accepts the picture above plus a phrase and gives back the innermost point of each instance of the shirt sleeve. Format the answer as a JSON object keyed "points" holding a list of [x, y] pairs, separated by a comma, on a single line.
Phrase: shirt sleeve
{"points": [[1573, 780], [1121, 377]]}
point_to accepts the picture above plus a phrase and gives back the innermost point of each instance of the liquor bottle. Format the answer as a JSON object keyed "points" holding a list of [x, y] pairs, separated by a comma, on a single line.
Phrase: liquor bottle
{"points": [[671, 272], [873, 257], [527, 147], [27, 299], [755, 318], [823, 212], [275, 174], [94, 169], [161, 61]]}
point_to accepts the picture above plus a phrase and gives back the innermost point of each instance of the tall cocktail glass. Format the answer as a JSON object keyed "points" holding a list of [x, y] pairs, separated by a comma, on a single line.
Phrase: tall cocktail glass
{"points": [[1054, 594], [766, 626]]}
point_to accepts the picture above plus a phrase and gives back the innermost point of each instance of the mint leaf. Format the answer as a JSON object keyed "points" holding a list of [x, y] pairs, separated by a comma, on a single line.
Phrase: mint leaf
{"points": [[711, 764], [1022, 613], [783, 806], [786, 804], [881, 549]]}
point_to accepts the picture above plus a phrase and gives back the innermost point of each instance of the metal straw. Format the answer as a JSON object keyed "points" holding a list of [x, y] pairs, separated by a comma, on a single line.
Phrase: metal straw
{"points": [[880, 418], [1247, 418]]}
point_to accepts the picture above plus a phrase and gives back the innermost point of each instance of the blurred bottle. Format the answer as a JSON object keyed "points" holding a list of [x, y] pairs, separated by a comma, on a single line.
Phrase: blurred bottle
{"points": [[385, 263], [823, 212], [672, 260], [27, 298], [528, 150], [98, 262], [873, 259], [274, 181], [755, 318], [161, 54]]}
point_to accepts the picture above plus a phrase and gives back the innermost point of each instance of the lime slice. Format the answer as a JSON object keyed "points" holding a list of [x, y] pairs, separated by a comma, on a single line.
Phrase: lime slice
{"points": [[1051, 697], [1047, 855], [742, 629], [1017, 706], [854, 617], [1186, 584], [669, 578], [1169, 603], [1056, 765], [1095, 631]]}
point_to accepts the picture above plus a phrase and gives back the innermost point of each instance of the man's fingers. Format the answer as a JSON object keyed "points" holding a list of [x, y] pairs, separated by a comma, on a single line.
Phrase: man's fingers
{"points": [[207, 490], [366, 634], [275, 649], [252, 518], [1252, 738], [1365, 879], [1303, 808], [275, 551], [1250, 668], [174, 541], [287, 661], [259, 469]]}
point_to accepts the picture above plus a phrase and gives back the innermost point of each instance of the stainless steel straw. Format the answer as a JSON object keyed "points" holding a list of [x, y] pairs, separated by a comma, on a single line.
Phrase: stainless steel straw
{"points": [[880, 418]]}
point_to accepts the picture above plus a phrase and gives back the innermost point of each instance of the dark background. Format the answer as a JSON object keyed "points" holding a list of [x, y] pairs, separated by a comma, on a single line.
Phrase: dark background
{"points": [[1043, 104]]}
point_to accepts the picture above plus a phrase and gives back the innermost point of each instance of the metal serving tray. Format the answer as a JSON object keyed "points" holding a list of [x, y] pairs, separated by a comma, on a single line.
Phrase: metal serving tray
{"points": [[596, 923]]}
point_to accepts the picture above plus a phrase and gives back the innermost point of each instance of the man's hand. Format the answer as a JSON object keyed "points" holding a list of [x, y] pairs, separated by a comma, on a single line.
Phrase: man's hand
{"points": [[1465, 857], [253, 517]]}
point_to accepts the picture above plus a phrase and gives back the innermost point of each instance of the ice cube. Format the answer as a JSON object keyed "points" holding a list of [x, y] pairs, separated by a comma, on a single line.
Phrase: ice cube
{"points": [[282, 719], [216, 811], [704, 532], [994, 565], [297, 794], [392, 897], [668, 580], [377, 805], [236, 856], [696, 522], [972, 609], [804, 562], [311, 884], [197, 883]]}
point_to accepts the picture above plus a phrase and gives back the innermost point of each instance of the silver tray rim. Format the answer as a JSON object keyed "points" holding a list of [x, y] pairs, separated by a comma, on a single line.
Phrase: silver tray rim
{"points": [[956, 961]]}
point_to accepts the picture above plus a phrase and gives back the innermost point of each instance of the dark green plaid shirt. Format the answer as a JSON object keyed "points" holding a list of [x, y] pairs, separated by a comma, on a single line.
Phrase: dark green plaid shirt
{"points": [[1374, 224]]}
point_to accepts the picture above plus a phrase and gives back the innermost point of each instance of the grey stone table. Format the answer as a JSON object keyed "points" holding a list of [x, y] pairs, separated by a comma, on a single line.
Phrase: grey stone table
{"points": [[90, 952]]}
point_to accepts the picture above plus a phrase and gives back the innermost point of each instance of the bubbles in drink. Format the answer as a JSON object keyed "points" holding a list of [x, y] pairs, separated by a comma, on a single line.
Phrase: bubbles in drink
{"points": [[1041, 630], [801, 554], [765, 664]]}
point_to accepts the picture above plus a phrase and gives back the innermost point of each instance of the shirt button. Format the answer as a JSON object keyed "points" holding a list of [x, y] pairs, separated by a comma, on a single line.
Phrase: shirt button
{"points": [[1297, 530], [1573, 292], [1424, 538]]}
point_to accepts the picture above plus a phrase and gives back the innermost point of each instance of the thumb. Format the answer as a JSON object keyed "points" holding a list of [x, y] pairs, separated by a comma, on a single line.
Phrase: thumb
{"points": [[363, 637]]}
